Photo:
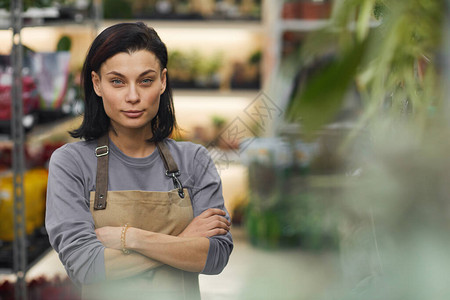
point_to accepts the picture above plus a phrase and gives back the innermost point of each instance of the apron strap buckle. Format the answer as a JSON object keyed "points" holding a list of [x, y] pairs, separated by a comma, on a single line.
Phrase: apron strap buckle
{"points": [[176, 182], [101, 151]]}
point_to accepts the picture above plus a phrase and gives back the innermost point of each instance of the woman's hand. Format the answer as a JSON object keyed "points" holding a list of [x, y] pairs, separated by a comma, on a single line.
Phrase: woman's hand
{"points": [[110, 236], [209, 223]]}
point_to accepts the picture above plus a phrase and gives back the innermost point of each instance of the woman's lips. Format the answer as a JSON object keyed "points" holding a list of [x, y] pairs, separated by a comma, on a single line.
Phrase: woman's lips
{"points": [[133, 113]]}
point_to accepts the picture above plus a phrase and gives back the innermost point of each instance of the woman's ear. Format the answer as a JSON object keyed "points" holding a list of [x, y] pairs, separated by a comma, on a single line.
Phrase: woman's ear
{"points": [[96, 83], [163, 80]]}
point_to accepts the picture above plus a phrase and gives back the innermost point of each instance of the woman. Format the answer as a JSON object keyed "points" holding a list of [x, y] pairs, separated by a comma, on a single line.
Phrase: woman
{"points": [[130, 210]]}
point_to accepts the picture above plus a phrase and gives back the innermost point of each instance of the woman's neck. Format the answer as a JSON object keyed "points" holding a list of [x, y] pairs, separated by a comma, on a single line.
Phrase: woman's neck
{"points": [[134, 143]]}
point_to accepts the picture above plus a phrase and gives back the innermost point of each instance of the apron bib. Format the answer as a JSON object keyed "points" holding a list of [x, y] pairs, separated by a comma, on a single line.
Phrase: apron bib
{"points": [[134, 276]]}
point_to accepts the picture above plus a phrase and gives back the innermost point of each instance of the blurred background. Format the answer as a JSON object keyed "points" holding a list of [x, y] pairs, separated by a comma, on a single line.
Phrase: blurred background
{"points": [[328, 121]]}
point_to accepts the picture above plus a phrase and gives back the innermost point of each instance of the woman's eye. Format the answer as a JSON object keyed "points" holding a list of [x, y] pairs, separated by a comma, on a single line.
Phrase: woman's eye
{"points": [[116, 81], [147, 81]]}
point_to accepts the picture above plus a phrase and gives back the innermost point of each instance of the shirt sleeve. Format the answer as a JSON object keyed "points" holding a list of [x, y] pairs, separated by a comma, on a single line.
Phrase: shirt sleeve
{"points": [[207, 193], [69, 222]]}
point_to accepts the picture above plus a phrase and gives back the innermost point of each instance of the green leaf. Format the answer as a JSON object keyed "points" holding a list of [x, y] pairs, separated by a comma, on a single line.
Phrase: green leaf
{"points": [[64, 44], [319, 99]]}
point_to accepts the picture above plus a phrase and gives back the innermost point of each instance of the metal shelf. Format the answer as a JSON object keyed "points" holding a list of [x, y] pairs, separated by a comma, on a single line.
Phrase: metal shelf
{"points": [[19, 250], [56, 23], [303, 25], [215, 93], [251, 25], [43, 19]]}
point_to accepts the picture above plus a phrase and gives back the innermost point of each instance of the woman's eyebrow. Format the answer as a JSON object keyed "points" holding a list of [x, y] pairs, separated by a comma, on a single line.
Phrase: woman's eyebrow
{"points": [[147, 71], [121, 75], [115, 73]]}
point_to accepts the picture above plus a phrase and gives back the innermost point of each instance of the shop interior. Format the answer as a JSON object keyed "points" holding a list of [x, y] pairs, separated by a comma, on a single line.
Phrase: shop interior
{"points": [[322, 117]]}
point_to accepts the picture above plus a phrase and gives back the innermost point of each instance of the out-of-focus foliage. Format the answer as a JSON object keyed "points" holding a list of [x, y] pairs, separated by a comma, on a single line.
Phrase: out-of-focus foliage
{"points": [[395, 217], [395, 71], [394, 210]]}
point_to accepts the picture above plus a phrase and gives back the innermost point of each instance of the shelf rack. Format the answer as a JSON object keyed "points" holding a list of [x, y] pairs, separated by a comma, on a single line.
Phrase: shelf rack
{"points": [[276, 83], [20, 264], [17, 130]]}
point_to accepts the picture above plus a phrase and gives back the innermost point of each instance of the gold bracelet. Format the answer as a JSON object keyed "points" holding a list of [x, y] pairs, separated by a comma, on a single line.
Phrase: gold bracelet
{"points": [[122, 239]]}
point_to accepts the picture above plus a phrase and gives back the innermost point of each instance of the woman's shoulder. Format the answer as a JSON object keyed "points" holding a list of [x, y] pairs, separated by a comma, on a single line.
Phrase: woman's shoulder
{"points": [[186, 149], [73, 150], [183, 145]]}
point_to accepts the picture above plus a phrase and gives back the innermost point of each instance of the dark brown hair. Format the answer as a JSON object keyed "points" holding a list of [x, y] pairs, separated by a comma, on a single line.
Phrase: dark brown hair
{"points": [[128, 38]]}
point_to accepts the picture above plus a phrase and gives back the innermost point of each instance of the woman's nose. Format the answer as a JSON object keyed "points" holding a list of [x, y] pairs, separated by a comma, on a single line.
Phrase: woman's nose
{"points": [[133, 94]]}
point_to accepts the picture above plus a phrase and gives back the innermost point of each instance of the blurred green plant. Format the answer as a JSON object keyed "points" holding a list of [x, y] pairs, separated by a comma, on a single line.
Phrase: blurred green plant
{"points": [[179, 66], [218, 122], [287, 209], [388, 48], [393, 211], [64, 43], [117, 9], [255, 57], [211, 65], [194, 68]]}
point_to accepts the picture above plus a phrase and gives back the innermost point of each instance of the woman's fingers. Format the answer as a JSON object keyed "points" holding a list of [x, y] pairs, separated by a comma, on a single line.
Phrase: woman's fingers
{"points": [[213, 211], [218, 227], [222, 219], [217, 231], [215, 214], [219, 223], [209, 223]]}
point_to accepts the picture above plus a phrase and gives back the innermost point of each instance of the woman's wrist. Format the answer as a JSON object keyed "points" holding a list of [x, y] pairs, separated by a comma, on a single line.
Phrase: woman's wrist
{"points": [[138, 239], [131, 238]]}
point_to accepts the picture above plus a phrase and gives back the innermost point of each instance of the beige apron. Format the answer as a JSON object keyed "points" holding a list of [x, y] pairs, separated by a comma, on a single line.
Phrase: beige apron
{"points": [[135, 276]]}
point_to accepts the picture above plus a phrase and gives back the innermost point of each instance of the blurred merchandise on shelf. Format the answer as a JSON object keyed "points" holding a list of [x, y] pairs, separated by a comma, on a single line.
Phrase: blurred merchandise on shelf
{"points": [[215, 137], [268, 151], [73, 104], [194, 71], [40, 12], [49, 90], [30, 99], [292, 185], [183, 9], [35, 189], [42, 288], [37, 155], [307, 9], [52, 72], [291, 42], [247, 75], [77, 10]]}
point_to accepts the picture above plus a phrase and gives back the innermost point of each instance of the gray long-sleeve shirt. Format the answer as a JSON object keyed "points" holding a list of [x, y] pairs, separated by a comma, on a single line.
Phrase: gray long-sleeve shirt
{"points": [[72, 173]]}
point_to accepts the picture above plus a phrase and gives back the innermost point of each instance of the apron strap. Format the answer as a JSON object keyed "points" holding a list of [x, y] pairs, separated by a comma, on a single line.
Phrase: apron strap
{"points": [[171, 166], [169, 163], [101, 181]]}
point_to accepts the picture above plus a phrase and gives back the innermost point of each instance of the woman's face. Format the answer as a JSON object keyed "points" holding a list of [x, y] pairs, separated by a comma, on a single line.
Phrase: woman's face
{"points": [[130, 85]]}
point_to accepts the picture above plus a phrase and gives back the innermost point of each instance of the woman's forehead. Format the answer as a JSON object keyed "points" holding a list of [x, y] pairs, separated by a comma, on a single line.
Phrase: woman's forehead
{"points": [[129, 61]]}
